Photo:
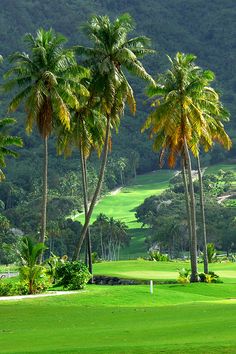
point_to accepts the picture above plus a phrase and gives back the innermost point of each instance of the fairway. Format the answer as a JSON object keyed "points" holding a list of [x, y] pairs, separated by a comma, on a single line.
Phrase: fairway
{"points": [[123, 205], [159, 271], [124, 319]]}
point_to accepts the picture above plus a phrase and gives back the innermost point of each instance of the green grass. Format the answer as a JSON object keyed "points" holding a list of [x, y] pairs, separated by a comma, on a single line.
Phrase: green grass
{"points": [[195, 318], [160, 271], [123, 205]]}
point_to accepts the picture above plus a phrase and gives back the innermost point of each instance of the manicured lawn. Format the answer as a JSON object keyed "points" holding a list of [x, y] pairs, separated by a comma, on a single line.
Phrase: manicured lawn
{"points": [[197, 318], [123, 205], [140, 269]]}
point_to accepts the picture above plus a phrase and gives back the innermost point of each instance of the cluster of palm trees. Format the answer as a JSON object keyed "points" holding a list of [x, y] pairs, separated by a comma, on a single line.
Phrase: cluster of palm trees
{"points": [[187, 115], [79, 104]]}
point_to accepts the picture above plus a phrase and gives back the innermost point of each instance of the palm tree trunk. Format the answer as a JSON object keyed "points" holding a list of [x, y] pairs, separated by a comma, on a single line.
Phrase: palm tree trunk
{"points": [[193, 246], [88, 250], [186, 193], [205, 258], [97, 191], [45, 192]]}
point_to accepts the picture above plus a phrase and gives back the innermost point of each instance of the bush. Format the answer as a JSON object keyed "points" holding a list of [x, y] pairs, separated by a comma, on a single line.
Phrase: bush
{"points": [[211, 277], [157, 256], [35, 278], [11, 289], [72, 275], [6, 289], [184, 276]]}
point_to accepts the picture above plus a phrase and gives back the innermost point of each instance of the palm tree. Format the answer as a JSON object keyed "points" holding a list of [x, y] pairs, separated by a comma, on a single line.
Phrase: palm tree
{"points": [[6, 141], [112, 52], [86, 134], [30, 271], [177, 125], [47, 79], [214, 113]]}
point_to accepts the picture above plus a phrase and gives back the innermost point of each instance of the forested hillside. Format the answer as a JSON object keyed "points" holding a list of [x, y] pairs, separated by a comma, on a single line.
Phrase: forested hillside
{"points": [[205, 28]]}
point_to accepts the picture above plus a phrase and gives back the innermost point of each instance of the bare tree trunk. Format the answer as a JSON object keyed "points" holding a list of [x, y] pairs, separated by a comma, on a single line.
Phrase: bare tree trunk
{"points": [[186, 193], [88, 251], [96, 193], [44, 201], [205, 258], [193, 246]]}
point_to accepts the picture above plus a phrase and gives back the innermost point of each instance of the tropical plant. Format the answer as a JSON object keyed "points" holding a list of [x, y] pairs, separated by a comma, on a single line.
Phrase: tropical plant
{"points": [[6, 141], [31, 273], [47, 79], [112, 52]]}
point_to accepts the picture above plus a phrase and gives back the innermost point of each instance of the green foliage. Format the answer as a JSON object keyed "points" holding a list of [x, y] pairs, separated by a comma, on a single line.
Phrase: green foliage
{"points": [[157, 256], [31, 273], [11, 288], [211, 252], [211, 277], [184, 276], [72, 275]]}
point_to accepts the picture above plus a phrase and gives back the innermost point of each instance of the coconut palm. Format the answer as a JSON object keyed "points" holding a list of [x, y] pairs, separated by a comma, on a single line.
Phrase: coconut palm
{"points": [[112, 52], [215, 114], [86, 134], [187, 113], [6, 143], [47, 79]]}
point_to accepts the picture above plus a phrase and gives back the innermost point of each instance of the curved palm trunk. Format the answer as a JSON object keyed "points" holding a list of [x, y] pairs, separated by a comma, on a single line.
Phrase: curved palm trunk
{"points": [[44, 201], [186, 194], [88, 249], [193, 245], [206, 270], [97, 191]]}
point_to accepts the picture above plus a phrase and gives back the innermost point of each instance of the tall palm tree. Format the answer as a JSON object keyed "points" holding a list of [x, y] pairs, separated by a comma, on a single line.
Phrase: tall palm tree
{"points": [[47, 79], [177, 125], [87, 135], [6, 143], [215, 114], [112, 52]]}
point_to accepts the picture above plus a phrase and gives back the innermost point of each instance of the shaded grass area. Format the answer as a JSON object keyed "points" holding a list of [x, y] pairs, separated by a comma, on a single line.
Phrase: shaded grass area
{"points": [[124, 319]]}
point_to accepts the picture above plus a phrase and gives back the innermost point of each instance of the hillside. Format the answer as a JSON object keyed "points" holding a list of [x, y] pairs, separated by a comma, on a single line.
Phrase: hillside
{"points": [[204, 28]]}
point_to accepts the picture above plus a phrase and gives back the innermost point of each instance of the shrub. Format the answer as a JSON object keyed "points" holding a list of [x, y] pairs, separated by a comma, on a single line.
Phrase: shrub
{"points": [[157, 256], [6, 289], [10, 289], [184, 276], [211, 277], [72, 275], [35, 278]]}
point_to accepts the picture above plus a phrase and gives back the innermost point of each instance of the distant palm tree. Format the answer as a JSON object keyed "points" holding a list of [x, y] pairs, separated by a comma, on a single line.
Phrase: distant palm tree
{"points": [[112, 52], [6, 141], [47, 79]]}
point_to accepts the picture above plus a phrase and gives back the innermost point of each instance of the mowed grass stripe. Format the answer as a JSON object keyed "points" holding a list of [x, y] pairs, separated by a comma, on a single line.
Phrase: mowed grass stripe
{"points": [[128, 319]]}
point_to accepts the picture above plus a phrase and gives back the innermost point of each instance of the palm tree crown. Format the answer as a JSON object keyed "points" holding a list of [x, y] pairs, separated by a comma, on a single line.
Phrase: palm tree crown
{"points": [[6, 141], [47, 78]]}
